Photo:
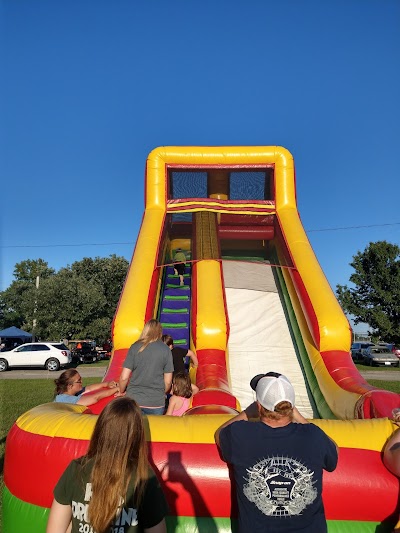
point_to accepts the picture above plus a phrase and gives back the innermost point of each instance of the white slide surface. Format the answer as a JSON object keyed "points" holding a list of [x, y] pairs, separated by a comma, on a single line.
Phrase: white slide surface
{"points": [[259, 339]]}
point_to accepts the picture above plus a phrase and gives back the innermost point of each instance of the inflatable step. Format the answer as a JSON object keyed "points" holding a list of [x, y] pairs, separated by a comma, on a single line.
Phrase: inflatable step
{"points": [[174, 318]]}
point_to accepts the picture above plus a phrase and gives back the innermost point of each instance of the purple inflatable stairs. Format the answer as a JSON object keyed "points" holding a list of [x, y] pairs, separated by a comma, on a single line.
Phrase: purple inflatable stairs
{"points": [[175, 307]]}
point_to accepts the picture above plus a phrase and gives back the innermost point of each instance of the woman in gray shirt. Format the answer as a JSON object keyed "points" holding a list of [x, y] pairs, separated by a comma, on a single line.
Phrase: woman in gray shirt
{"points": [[147, 371]]}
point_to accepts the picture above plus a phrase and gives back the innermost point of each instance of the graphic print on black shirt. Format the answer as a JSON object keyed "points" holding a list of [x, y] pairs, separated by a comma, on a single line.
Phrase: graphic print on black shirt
{"points": [[280, 486]]}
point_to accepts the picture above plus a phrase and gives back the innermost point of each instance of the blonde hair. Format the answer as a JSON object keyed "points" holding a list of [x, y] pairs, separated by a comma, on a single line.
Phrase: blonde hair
{"points": [[152, 332], [182, 385], [118, 446], [282, 410]]}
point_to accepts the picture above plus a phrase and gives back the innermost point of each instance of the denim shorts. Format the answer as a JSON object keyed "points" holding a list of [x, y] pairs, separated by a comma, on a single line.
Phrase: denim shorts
{"points": [[153, 410]]}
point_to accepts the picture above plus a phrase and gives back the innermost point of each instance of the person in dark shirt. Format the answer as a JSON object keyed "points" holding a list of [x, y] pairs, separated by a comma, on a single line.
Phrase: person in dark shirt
{"points": [[179, 355], [277, 461], [112, 487]]}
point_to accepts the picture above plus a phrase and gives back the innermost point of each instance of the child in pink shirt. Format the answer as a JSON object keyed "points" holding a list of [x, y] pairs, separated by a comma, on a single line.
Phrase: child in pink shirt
{"points": [[182, 392]]}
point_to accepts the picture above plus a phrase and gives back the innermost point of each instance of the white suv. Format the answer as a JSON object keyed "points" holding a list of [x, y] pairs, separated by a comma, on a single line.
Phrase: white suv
{"points": [[49, 355]]}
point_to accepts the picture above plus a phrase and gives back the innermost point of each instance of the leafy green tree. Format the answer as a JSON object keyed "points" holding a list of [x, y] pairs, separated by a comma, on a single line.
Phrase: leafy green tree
{"points": [[10, 305], [78, 301], [67, 304], [17, 302], [29, 269], [109, 273], [99, 329], [375, 297]]}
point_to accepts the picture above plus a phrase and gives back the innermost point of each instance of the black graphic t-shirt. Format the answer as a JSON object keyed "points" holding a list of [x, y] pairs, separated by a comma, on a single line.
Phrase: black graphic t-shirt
{"points": [[74, 489], [278, 474]]}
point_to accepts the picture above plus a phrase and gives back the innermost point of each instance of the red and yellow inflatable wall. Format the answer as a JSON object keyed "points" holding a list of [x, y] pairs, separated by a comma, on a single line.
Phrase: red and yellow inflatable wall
{"points": [[359, 496]]}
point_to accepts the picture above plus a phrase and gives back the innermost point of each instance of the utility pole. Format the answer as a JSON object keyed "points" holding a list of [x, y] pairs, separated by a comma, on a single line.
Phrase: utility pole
{"points": [[35, 309]]}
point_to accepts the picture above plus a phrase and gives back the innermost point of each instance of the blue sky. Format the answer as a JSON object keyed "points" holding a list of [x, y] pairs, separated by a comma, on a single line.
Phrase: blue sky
{"points": [[91, 87]]}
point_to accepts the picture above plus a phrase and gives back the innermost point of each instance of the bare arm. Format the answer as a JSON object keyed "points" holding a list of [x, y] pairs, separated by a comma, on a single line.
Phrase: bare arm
{"points": [[102, 385], [168, 381], [159, 528], [252, 411], [59, 519], [195, 388], [171, 405], [240, 416], [193, 358], [90, 399], [391, 453], [123, 379], [299, 418]]}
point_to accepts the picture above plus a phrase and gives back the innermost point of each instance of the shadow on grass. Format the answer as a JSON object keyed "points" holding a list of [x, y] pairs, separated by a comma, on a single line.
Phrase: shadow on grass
{"points": [[2, 441]]}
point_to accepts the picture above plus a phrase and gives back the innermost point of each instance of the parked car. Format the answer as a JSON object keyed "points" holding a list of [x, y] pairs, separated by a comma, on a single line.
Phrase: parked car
{"points": [[102, 354], [380, 355], [358, 349], [83, 351], [389, 345], [104, 351], [49, 355]]}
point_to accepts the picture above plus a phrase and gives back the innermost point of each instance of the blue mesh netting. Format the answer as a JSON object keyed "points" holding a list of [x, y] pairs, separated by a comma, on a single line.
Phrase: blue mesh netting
{"points": [[243, 184], [184, 184], [247, 185], [182, 217]]}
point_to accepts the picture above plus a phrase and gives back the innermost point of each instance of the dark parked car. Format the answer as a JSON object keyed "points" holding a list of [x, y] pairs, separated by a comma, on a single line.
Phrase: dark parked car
{"points": [[83, 351], [358, 350]]}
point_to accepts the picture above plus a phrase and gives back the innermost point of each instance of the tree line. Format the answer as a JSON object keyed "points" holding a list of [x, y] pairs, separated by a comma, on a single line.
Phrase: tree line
{"points": [[374, 297], [78, 301]]}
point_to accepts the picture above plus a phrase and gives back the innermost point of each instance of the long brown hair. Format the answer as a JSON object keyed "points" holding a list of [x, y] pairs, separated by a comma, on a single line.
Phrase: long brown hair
{"points": [[168, 340], [64, 380], [152, 332], [117, 446]]}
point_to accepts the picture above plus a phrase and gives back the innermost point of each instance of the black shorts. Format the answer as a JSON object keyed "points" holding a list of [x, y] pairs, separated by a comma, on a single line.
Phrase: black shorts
{"points": [[180, 267]]}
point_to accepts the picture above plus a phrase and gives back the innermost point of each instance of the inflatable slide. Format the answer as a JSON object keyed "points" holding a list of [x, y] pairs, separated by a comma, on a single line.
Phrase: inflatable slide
{"points": [[254, 299]]}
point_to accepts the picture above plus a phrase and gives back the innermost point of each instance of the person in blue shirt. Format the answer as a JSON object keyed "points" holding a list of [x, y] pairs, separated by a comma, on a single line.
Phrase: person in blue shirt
{"points": [[69, 389], [277, 461]]}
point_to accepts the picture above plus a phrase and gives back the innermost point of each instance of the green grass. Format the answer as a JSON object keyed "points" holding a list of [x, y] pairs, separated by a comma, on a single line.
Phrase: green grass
{"points": [[103, 362], [392, 386]]}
